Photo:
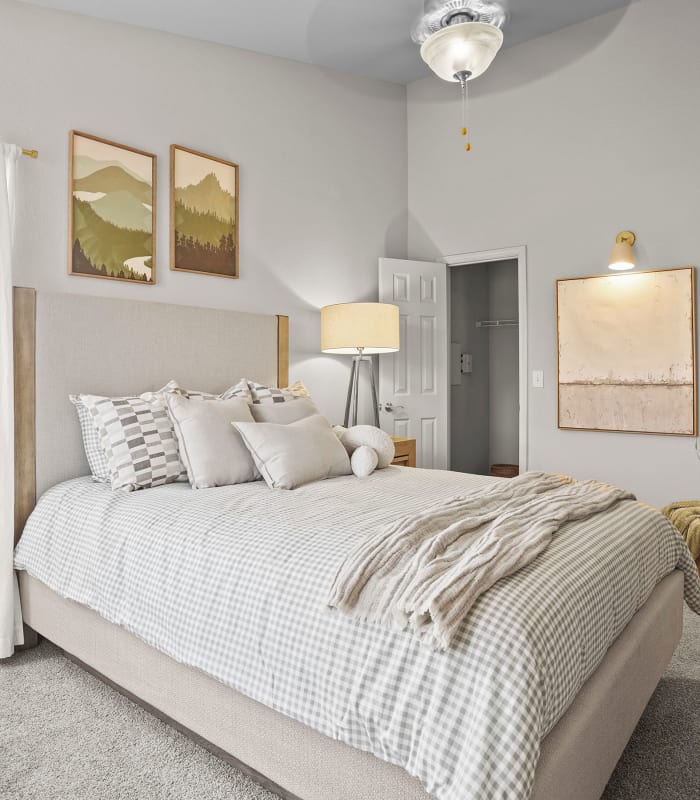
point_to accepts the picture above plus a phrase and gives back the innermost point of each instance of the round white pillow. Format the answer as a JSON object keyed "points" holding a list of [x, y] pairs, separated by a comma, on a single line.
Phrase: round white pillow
{"points": [[363, 461], [368, 435]]}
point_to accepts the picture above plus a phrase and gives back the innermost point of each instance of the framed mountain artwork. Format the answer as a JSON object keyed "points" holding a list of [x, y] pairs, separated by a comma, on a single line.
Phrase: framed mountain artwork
{"points": [[112, 215], [203, 213]]}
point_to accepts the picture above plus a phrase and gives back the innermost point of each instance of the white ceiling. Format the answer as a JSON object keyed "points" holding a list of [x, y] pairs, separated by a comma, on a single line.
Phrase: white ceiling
{"points": [[365, 37]]}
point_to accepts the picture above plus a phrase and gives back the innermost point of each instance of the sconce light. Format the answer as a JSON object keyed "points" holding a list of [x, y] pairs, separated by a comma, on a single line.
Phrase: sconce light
{"points": [[622, 255]]}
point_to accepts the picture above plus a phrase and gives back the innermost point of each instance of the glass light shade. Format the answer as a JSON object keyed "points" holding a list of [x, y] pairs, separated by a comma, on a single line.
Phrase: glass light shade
{"points": [[621, 257], [465, 46], [348, 327]]}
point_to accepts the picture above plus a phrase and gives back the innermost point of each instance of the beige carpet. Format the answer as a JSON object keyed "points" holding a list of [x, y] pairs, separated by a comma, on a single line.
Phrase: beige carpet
{"points": [[66, 736]]}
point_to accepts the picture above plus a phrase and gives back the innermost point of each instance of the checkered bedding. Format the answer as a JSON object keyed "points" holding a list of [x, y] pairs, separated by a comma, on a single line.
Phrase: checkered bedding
{"points": [[233, 580]]}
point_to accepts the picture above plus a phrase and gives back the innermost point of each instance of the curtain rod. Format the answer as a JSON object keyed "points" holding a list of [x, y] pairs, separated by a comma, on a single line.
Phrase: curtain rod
{"points": [[30, 153]]}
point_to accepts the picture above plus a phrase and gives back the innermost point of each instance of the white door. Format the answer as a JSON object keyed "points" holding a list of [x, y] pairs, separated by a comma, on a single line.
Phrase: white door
{"points": [[412, 382]]}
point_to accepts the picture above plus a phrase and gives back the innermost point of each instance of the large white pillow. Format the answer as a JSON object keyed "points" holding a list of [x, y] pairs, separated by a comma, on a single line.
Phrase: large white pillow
{"points": [[284, 413], [369, 436], [210, 448], [292, 455]]}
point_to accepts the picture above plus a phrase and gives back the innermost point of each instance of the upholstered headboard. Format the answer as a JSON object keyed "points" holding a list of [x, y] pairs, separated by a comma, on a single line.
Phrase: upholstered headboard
{"points": [[76, 343]]}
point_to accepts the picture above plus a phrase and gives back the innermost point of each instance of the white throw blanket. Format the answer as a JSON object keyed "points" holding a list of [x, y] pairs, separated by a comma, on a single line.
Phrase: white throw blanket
{"points": [[428, 570]]}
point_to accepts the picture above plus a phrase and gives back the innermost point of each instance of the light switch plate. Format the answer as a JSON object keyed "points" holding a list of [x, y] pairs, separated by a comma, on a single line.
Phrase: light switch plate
{"points": [[537, 379]]}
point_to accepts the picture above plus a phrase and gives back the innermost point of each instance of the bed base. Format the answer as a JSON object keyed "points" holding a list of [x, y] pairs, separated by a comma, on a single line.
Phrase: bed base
{"points": [[294, 761]]}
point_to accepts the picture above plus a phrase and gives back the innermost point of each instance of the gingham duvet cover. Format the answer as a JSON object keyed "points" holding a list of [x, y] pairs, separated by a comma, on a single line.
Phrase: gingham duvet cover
{"points": [[233, 580]]}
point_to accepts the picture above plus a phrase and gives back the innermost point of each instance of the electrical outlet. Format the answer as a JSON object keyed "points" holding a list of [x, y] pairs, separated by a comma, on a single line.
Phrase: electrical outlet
{"points": [[537, 379]]}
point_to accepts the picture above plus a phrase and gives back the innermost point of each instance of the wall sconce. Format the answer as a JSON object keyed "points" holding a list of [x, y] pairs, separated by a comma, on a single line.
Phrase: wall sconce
{"points": [[622, 255]]}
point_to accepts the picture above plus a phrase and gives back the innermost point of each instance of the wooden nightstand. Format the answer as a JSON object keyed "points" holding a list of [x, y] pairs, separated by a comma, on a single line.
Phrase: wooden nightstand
{"points": [[404, 452]]}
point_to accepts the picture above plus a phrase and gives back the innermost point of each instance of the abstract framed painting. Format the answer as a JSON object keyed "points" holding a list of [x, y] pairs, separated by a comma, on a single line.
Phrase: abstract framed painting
{"points": [[112, 210], [203, 213], [626, 352]]}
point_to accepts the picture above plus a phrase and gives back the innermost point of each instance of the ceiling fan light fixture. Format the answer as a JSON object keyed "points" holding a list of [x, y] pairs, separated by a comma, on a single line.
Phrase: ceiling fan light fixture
{"points": [[462, 48]]}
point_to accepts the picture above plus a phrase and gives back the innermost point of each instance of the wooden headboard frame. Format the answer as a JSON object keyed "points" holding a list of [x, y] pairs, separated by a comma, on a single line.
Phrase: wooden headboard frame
{"points": [[24, 320]]}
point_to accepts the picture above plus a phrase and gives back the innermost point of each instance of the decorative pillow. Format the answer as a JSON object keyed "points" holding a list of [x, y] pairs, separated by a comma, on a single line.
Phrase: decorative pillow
{"points": [[271, 394], [292, 455], [239, 389], [284, 413], [97, 461], [373, 437], [138, 440], [363, 461], [210, 447], [96, 458], [298, 389]]}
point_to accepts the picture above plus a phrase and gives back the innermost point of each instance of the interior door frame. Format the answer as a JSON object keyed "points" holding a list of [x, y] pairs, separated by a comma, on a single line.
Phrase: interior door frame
{"points": [[502, 254]]}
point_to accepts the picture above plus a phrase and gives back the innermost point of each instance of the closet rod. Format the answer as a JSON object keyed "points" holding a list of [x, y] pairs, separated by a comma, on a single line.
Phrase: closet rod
{"points": [[497, 323]]}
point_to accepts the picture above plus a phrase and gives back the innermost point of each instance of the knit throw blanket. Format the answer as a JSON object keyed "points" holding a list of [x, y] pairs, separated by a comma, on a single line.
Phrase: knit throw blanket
{"points": [[685, 515], [426, 571]]}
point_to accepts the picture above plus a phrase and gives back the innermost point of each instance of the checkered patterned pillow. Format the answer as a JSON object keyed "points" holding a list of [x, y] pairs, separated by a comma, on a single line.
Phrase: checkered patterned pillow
{"points": [[97, 461], [270, 394], [239, 389], [96, 457], [138, 440]]}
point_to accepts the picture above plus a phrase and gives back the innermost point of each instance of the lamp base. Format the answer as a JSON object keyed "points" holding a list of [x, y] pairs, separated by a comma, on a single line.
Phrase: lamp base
{"points": [[353, 391]]}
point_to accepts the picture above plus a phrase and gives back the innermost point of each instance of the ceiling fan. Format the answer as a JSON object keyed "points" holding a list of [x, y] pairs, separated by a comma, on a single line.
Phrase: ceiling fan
{"points": [[459, 39]]}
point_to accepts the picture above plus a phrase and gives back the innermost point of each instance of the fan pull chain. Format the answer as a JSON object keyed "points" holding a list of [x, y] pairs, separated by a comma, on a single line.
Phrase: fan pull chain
{"points": [[465, 109]]}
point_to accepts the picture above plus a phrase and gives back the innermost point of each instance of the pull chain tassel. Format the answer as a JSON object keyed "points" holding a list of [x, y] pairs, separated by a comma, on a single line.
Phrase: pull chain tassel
{"points": [[465, 109]]}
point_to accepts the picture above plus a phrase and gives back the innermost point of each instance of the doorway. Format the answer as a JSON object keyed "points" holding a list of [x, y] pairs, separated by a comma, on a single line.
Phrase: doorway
{"points": [[487, 371], [415, 382]]}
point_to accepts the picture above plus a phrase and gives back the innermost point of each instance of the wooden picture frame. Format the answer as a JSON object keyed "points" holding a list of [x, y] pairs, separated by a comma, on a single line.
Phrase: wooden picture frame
{"points": [[111, 210], [204, 229], [626, 353]]}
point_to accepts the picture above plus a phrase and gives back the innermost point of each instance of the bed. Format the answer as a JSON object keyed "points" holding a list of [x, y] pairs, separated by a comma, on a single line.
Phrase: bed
{"points": [[267, 712]]}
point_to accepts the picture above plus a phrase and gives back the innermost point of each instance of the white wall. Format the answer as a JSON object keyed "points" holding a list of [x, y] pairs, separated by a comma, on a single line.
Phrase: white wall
{"points": [[576, 136], [322, 155]]}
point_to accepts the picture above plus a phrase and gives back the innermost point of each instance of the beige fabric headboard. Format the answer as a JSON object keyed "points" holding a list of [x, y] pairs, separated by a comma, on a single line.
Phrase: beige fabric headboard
{"points": [[76, 343]]}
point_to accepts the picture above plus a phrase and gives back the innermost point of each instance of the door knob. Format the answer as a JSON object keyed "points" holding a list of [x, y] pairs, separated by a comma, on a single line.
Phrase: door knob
{"points": [[390, 408]]}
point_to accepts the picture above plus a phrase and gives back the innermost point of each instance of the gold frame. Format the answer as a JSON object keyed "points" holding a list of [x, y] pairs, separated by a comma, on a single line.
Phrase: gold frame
{"points": [[173, 267], [154, 187], [693, 333]]}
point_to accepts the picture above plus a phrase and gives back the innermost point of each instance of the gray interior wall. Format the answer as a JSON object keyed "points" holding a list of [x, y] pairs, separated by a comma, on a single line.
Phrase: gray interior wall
{"points": [[322, 166], [575, 136], [469, 429], [504, 385], [484, 404]]}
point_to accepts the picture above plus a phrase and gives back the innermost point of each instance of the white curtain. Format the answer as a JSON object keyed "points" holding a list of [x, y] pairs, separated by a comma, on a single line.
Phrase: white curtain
{"points": [[10, 613]]}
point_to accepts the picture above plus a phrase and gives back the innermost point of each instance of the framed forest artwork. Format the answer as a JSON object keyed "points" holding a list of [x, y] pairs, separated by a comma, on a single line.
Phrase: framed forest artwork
{"points": [[112, 214], [203, 213]]}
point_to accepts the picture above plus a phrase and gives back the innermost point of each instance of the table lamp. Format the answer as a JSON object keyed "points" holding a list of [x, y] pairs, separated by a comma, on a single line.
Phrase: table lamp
{"points": [[360, 330]]}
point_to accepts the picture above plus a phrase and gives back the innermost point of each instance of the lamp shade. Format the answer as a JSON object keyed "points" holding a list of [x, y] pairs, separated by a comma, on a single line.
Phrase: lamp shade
{"points": [[621, 257], [462, 47], [347, 328], [622, 254]]}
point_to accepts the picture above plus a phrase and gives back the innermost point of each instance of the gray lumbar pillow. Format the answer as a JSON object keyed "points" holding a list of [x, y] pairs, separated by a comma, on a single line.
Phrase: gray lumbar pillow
{"points": [[210, 448], [292, 455], [284, 413]]}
